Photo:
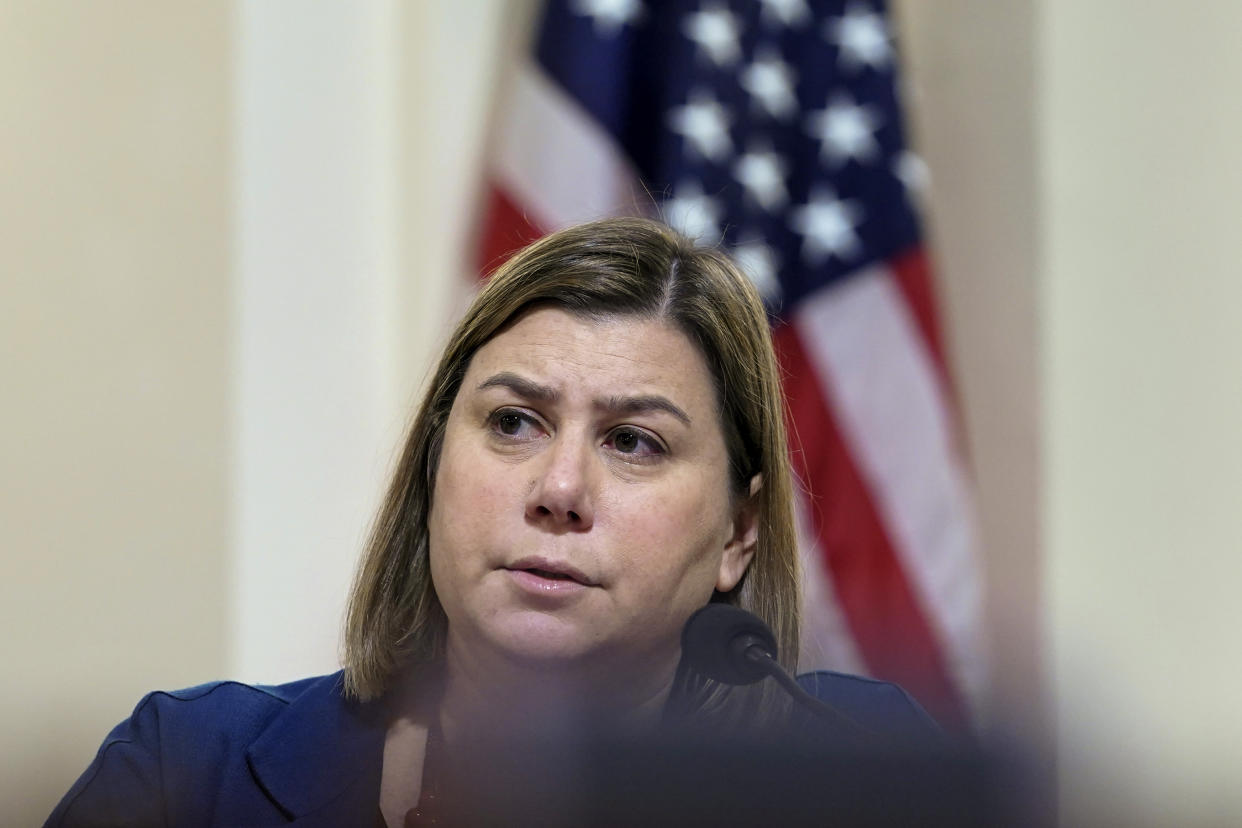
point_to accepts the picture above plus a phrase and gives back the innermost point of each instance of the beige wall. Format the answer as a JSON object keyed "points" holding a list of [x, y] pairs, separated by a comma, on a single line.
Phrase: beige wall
{"points": [[1142, 320], [114, 340]]}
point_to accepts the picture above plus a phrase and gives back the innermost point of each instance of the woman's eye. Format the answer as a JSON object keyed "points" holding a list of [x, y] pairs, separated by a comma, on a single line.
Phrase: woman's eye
{"points": [[510, 423], [631, 441]]}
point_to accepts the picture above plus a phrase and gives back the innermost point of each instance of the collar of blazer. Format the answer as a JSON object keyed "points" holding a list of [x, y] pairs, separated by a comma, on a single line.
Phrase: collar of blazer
{"points": [[319, 759]]}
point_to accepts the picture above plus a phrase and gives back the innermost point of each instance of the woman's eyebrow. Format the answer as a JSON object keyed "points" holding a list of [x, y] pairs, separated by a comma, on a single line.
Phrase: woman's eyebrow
{"points": [[643, 403], [521, 386], [616, 404]]}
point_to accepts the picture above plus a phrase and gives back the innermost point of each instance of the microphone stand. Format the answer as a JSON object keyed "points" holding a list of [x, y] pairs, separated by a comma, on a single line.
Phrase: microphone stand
{"points": [[754, 652]]}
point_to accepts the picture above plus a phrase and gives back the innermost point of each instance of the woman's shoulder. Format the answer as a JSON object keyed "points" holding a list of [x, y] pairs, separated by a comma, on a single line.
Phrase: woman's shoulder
{"points": [[236, 704], [880, 706], [211, 718], [201, 749]]}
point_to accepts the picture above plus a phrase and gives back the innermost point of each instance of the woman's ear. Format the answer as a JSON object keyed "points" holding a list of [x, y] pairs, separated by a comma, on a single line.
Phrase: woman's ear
{"points": [[741, 546]]}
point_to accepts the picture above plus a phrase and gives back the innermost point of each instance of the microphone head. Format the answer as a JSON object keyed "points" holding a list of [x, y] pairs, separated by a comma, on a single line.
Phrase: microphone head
{"points": [[715, 641]]}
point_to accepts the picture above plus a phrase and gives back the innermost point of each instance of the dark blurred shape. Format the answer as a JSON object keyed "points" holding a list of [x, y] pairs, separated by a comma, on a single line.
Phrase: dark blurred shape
{"points": [[608, 780]]}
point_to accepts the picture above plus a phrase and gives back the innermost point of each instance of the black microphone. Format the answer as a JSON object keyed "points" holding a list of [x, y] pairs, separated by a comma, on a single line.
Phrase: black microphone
{"points": [[728, 644], [733, 646]]}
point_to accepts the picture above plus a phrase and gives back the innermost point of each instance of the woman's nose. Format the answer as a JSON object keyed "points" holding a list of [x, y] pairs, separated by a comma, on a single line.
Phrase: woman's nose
{"points": [[562, 497]]}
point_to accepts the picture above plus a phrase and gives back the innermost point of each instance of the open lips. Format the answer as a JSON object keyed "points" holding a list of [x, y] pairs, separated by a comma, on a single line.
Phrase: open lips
{"points": [[552, 570]]}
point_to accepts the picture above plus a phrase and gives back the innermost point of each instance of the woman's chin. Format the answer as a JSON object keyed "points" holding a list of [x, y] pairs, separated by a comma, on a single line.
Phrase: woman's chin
{"points": [[530, 643], [546, 643]]}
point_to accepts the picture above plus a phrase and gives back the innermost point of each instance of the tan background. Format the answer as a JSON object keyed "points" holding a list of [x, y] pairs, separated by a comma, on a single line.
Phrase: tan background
{"points": [[115, 253], [231, 234]]}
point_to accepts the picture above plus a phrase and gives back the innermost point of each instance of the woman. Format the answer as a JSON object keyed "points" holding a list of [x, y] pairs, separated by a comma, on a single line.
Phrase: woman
{"points": [[601, 452]]}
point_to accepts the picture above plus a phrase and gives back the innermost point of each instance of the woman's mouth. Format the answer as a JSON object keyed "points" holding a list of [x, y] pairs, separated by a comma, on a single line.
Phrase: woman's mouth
{"points": [[559, 576], [545, 576]]}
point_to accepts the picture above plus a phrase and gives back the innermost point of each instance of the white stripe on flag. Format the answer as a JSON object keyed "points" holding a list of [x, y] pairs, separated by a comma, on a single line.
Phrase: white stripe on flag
{"points": [[864, 345], [556, 161]]}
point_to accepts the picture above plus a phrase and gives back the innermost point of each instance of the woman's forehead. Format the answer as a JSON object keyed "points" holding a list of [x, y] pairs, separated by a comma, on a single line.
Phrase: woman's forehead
{"points": [[613, 354]]}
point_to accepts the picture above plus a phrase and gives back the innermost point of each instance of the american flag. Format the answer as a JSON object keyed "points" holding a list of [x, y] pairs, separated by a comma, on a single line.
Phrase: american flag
{"points": [[773, 127]]}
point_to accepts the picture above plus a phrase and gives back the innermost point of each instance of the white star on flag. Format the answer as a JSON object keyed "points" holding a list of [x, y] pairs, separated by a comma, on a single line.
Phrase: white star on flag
{"points": [[770, 81], [762, 173], [716, 31], [862, 37], [787, 12], [827, 226], [705, 124], [693, 214], [609, 16], [758, 261], [913, 172], [846, 130]]}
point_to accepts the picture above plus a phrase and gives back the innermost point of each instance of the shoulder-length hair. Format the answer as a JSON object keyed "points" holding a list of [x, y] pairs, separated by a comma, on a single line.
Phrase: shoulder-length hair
{"points": [[615, 267]]}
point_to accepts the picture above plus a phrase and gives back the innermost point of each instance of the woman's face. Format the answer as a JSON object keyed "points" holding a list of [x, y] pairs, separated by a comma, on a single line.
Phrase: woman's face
{"points": [[582, 508]]}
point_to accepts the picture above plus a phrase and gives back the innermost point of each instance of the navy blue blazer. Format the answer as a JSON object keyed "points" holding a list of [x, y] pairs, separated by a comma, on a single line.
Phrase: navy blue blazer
{"points": [[229, 754]]}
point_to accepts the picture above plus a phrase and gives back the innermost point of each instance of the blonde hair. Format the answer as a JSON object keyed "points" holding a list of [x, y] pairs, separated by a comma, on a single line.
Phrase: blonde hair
{"points": [[607, 268]]}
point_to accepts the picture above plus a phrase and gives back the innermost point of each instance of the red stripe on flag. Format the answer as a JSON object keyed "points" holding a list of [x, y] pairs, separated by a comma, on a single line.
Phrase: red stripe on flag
{"points": [[912, 272], [887, 622], [505, 230]]}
